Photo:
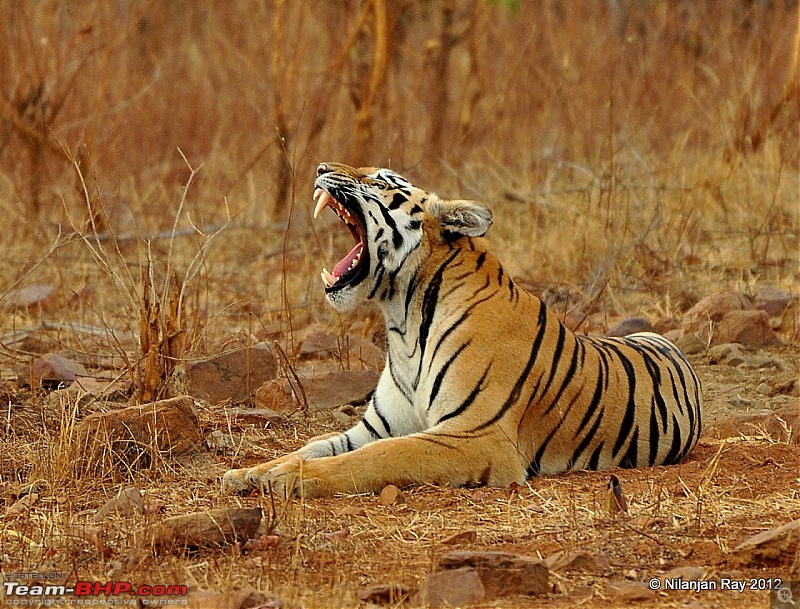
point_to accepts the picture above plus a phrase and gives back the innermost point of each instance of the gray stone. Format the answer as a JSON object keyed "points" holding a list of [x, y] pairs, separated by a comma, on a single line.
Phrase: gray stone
{"points": [[631, 325]]}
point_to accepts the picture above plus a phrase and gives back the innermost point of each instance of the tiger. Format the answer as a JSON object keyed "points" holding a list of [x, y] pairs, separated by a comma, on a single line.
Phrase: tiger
{"points": [[482, 384]]}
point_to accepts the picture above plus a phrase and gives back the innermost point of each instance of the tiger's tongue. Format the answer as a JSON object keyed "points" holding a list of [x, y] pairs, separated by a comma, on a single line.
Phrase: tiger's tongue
{"points": [[345, 263]]}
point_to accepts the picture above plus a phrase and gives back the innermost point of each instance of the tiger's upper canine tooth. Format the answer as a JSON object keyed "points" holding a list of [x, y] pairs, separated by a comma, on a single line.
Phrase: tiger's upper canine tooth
{"points": [[323, 200], [327, 278]]}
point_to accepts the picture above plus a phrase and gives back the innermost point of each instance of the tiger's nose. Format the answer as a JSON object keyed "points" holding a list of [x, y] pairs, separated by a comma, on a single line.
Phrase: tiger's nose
{"points": [[323, 168]]}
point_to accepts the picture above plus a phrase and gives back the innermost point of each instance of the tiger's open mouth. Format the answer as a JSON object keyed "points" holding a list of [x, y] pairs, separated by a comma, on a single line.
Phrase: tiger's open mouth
{"points": [[352, 269]]}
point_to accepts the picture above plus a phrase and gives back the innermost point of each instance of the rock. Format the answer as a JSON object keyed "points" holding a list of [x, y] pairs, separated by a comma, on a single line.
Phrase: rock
{"points": [[631, 325], [463, 537], [87, 390], [367, 354], [211, 529], [276, 395], [667, 324], [764, 389], [690, 344], [343, 387], [703, 317], [340, 416], [322, 392], [772, 301], [782, 425], [777, 546], [257, 416], [51, 370], [733, 354], [630, 592], [233, 375], [314, 343], [575, 561], [714, 307], [236, 599], [729, 353], [138, 436], [261, 544], [385, 594], [129, 501], [222, 442], [503, 573], [452, 587], [391, 495], [32, 296], [686, 573], [748, 328]]}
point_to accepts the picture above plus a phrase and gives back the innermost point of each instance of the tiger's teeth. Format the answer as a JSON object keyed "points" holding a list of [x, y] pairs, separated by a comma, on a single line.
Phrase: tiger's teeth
{"points": [[323, 199], [327, 278]]}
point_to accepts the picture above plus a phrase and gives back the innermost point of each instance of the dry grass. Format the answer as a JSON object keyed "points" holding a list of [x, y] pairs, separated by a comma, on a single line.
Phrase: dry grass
{"points": [[637, 155]]}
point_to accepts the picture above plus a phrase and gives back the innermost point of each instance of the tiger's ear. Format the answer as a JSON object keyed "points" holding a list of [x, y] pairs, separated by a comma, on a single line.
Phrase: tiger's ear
{"points": [[467, 218]]}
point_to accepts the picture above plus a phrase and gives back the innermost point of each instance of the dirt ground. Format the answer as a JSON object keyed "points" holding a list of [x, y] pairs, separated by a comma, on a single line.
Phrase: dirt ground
{"points": [[692, 514], [743, 478]]}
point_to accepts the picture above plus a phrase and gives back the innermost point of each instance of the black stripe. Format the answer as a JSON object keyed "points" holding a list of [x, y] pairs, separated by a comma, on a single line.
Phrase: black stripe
{"points": [[411, 290], [349, 443], [655, 375], [587, 439], [631, 458], [382, 418], [429, 302], [594, 460], [457, 323], [397, 200], [517, 389], [397, 238], [470, 398], [485, 474], [594, 404], [626, 426], [535, 466], [655, 436], [570, 372], [378, 279], [370, 429], [437, 382], [481, 260], [676, 448], [403, 390]]}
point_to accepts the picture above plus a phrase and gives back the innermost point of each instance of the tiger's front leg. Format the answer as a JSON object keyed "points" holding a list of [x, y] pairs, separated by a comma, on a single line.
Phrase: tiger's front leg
{"points": [[380, 421], [240, 481], [417, 459]]}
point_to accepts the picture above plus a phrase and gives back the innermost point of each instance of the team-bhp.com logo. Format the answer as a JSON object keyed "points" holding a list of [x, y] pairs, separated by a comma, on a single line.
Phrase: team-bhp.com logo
{"points": [[19, 594]]}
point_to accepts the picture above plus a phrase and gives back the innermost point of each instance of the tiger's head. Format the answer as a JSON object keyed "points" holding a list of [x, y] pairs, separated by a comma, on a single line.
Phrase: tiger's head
{"points": [[394, 225]]}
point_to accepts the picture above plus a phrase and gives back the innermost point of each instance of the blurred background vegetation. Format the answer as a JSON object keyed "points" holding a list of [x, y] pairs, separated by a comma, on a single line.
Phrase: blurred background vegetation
{"points": [[642, 147]]}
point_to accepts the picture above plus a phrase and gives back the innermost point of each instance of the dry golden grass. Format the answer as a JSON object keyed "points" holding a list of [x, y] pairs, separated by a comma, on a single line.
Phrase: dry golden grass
{"points": [[637, 155]]}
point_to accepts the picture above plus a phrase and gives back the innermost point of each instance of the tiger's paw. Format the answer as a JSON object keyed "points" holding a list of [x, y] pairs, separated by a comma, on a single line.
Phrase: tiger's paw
{"points": [[243, 481], [286, 477]]}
